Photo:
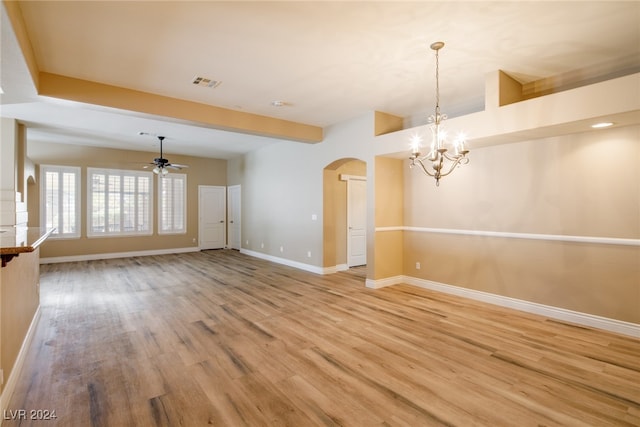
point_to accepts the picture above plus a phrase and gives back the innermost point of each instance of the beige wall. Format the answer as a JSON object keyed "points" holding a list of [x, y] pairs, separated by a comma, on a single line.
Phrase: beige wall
{"points": [[602, 280], [389, 210], [580, 184], [584, 185], [19, 300], [201, 171]]}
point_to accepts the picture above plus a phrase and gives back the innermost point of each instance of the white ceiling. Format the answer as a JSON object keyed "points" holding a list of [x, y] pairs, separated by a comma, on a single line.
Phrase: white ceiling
{"points": [[327, 61]]}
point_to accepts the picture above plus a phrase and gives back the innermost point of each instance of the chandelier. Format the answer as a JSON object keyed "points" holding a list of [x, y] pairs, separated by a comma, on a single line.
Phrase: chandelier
{"points": [[440, 161]]}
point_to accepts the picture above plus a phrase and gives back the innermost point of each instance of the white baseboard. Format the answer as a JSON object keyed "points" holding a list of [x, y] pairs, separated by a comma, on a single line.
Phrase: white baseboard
{"points": [[335, 269], [10, 385], [381, 283], [112, 255], [584, 319], [284, 261]]}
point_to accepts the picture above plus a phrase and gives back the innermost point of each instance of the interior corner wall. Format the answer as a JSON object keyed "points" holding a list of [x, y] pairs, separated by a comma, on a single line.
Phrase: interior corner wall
{"points": [[389, 213], [536, 221]]}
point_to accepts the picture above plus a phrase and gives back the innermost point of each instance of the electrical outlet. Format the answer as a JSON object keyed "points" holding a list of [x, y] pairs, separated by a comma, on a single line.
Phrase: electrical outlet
{"points": [[308, 254], [417, 266], [262, 245], [281, 248], [1, 377]]}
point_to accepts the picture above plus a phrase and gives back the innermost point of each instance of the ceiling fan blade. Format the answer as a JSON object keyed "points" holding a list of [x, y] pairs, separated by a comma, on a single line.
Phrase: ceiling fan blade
{"points": [[176, 166]]}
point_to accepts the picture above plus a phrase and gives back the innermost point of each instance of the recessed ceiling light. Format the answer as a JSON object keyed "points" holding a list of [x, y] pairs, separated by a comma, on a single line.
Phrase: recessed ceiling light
{"points": [[278, 103], [602, 125]]}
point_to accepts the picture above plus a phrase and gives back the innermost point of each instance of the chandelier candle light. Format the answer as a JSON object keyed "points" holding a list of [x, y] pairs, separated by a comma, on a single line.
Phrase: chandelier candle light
{"points": [[442, 160]]}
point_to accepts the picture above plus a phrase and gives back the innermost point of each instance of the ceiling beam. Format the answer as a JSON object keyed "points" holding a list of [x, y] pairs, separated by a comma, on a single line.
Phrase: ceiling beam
{"points": [[88, 92]]}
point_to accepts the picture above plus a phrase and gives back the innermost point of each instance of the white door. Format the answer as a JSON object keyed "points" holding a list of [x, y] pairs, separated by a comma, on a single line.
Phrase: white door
{"points": [[233, 216], [356, 222], [212, 207]]}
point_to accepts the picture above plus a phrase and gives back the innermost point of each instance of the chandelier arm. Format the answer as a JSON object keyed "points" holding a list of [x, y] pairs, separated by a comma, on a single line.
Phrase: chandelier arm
{"points": [[456, 157], [450, 158], [454, 163], [422, 166]]}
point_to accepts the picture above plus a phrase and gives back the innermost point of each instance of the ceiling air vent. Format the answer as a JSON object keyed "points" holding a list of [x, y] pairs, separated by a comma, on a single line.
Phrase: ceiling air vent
{"points": [[203, 81]]}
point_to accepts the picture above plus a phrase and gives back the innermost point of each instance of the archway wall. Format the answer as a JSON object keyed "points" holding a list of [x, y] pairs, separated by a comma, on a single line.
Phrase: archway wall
{"points": [[287, 216], [335, 209], [283, 202]]}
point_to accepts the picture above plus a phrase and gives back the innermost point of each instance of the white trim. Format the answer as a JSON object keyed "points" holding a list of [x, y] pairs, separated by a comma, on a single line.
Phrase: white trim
{"points": [[284, 261], [381, 283], [162, 182], [10, 385], [584, 319], [60, 170], [334, 269], [121, 174], [237, 216], [341, 267], [112, 255], [532, 236], [395, 228], [345, 177]]}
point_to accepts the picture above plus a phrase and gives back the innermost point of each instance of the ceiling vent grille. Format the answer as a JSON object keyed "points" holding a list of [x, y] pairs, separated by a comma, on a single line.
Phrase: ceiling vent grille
{"points": [[203, 81]]}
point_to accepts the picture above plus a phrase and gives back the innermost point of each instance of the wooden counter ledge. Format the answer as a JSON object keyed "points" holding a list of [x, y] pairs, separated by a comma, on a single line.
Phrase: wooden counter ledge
{"points": [[19, 239]]}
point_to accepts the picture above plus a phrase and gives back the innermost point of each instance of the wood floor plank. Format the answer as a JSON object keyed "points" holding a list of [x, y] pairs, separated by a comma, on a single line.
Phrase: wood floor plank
{"points": [[219, 338]]}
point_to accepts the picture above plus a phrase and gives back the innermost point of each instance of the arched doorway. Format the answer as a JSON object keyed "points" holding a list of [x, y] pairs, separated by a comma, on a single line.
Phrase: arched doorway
{"points": [[336, 234]]}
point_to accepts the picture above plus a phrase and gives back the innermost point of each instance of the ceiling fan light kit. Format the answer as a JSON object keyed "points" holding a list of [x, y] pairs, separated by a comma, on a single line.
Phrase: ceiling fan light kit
{"points": [[160, 171]]}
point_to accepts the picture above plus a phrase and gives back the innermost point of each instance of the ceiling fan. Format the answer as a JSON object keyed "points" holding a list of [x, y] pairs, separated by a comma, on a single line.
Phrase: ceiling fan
{"points": [[162, 165]]}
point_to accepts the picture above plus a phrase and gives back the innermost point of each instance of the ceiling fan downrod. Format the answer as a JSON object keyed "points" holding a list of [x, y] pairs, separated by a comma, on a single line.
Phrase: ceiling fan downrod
{"points": [[161, 138]]}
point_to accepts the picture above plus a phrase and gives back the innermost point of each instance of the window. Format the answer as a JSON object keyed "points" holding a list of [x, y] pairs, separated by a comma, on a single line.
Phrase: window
{"points": [[119, 202], [60, 200], [172, 203]]}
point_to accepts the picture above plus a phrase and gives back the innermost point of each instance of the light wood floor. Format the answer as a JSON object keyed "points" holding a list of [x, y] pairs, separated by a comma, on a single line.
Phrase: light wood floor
{"points": [[219, 338]]}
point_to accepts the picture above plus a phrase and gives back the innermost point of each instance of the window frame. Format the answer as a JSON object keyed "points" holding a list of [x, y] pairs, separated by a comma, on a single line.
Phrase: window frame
{"points": [[61, 170], [122, 175], [162, 180]]}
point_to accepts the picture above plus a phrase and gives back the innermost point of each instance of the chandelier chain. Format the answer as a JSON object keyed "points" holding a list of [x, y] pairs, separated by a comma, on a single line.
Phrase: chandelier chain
{"points": [[437, 85]]}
